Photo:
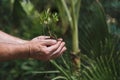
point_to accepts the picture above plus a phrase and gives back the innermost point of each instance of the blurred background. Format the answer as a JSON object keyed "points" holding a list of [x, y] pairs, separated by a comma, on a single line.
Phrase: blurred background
{"points": [[90, 28]]}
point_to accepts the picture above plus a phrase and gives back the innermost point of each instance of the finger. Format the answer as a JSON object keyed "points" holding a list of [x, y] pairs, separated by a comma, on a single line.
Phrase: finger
{"points": [[43, 37], [39, 38], [60, 39], [59, 49], [48, 42], [54, 47], [61, 52]]}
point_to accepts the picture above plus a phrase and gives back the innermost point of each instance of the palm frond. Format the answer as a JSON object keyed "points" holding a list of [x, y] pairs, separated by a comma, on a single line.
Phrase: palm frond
{"points": [[100, 47], [102, 69]]}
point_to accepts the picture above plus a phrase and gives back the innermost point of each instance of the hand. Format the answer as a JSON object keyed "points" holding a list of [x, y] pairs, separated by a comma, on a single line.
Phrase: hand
{"points": [[42, 48]]}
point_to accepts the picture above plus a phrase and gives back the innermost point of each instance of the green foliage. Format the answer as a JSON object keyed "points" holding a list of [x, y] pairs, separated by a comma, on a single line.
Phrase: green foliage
{"points": [[48, 21], [99, 38], [48, 18], [99, 46], [102, 69]]}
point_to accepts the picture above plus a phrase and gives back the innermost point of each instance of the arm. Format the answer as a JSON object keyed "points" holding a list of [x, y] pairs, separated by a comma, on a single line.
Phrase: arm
{"points": [[13, 51], [40, 50], [10, 39]]}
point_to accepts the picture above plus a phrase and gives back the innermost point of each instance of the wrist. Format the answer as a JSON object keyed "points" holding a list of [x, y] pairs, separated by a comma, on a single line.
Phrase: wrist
{"points": [[26, 49], [21, 51], [28, 46]]}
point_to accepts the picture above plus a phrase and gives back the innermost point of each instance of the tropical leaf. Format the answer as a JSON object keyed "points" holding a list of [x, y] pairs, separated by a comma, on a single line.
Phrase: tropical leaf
{"points": [[102, 69], [94, 30], [99, 47]]}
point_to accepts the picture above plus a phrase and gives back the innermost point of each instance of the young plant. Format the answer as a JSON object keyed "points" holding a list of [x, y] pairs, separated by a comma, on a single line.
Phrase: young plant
{"points": [[48, 19], [71, 15]]}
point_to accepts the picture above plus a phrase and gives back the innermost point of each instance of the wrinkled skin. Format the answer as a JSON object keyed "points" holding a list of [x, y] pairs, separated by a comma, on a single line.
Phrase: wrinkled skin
{"points": [[40, 48]]}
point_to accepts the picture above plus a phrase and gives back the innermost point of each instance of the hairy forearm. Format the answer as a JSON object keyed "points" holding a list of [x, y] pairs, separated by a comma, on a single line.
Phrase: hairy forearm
{"points": [[13, 51], [4, 37]]}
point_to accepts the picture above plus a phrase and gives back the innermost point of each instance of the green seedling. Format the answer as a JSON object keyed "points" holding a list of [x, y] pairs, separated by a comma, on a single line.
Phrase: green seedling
{"points": [[48, 19]]}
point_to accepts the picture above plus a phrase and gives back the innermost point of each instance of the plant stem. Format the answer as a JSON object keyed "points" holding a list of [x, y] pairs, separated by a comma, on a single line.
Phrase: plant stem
{"points": [[75, 29], [60, 69], [67, 12], [72, 13], [75, 42], [75, 39]]}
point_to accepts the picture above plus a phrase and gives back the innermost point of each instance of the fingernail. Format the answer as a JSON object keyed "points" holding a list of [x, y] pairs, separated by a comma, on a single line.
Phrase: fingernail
{"points": [[65, 48]]}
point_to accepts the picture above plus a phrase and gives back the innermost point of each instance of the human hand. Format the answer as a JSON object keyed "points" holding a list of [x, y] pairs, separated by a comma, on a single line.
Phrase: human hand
{"points": [[42, 48]]}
